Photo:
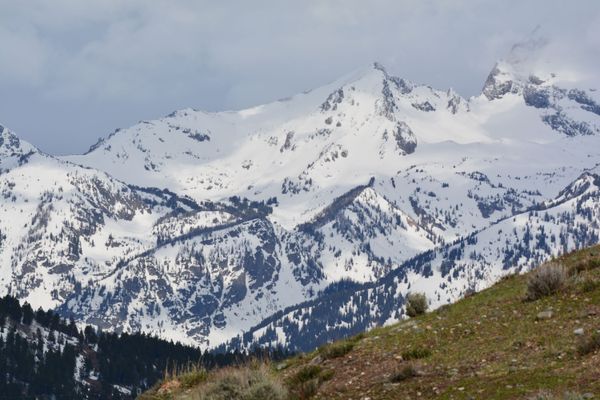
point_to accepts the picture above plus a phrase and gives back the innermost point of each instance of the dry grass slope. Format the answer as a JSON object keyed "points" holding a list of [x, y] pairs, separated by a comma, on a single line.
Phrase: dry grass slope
{"points": [[501, 343]]}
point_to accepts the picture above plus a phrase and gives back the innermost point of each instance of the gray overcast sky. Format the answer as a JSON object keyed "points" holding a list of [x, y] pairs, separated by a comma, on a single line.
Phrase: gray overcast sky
{"points": [[72, 71]]}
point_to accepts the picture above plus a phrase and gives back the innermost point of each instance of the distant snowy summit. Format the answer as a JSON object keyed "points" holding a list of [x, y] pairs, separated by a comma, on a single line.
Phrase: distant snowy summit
{"points": [[311, 217]]}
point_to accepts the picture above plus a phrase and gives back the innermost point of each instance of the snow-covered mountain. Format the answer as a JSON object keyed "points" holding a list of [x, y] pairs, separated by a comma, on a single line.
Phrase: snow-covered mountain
{"points": [[446, 273], [314, 214]]}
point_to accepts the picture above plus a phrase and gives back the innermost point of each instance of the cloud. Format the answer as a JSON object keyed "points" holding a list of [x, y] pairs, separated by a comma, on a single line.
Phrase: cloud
{"points": [[116, 62], [23, 57]]}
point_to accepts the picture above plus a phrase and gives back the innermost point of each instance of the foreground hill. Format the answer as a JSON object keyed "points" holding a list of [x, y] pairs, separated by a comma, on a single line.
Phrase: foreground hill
{"points": [[490, 345]]}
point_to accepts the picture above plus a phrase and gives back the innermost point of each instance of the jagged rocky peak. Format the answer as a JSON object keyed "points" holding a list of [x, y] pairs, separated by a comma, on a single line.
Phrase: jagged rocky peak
{"points": [[374, 79], [12, 146], [386, 92], [541, 60], [8, 140], [557, 86], [519, 68], [456, 102], [499, 82], [402, 84], [378, 66], [423, 98]]}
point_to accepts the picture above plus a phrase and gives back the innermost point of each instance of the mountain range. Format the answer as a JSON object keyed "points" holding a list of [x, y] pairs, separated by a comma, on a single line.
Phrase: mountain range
{"points": [[310, 218]]}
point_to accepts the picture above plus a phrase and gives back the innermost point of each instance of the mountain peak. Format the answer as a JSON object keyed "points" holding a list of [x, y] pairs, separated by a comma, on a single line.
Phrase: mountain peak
{"points": [[379, 67], [543, 59], [11, 145], [520, 66]]}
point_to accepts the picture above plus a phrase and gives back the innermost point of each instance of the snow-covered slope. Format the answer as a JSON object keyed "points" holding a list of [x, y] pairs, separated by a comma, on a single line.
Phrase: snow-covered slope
{"points": [[445, 274], [200, 226], [63, 225]]}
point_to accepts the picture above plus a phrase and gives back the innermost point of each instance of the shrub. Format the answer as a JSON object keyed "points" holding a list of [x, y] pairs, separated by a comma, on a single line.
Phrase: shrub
{"points": [[594, 263], [404, 373], [589, 344], [326, 375], [335, 350], [192, 378], [178, 378], [306, 390], [589, 285], [416, 304], [305, 383], [227, 387], [545, 280], [578, 268], [265, 390], [416, 353], [584, 266], [244, 384], [307, 373]]}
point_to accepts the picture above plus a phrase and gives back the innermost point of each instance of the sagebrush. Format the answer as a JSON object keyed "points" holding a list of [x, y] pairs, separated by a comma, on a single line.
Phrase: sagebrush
{"points": [[546, 280], [416, 304], [250, 383]]}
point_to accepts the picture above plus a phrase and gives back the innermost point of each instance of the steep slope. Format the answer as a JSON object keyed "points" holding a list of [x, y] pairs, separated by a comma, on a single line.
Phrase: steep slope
{"points": [[491, 345]]}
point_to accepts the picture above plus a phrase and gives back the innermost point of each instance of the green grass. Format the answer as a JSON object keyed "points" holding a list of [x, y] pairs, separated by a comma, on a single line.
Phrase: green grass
{"points": [[337, 349], [416, 353], [306, 374], [306, 381]]}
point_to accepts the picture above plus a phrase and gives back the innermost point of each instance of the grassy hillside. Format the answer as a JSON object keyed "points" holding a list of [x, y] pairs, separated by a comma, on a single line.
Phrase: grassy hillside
{"points": [[492, 345]]}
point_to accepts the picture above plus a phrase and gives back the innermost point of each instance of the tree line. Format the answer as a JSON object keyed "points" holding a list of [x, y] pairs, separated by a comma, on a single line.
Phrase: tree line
{"points": [[44, 356]]}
